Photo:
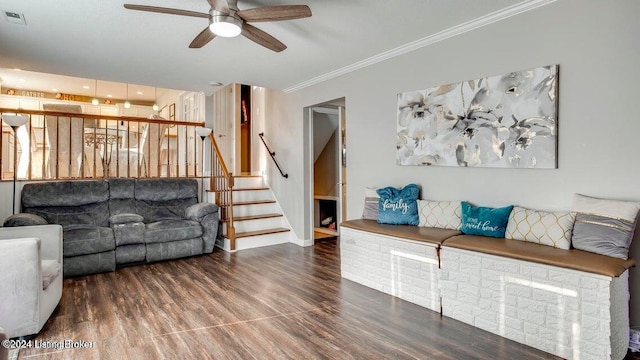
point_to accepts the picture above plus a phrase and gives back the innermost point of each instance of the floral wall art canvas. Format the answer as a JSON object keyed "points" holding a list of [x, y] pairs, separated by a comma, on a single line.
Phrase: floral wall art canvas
{"points": [[506, 121]]}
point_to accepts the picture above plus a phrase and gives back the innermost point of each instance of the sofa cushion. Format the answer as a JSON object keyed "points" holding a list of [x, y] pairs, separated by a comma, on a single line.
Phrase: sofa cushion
{"points": [[64, 193], [126, 254], [604, 226], [485, 221], [83, 240], [399, 206], [542, 227], [371, 199], [172, 230], [122, 206], [96, 214], [440, 214], [174, 249], [163, 210], [536, 253], [50, 270], [121, 196], [166, 189], [89, 264], [121, 188]]}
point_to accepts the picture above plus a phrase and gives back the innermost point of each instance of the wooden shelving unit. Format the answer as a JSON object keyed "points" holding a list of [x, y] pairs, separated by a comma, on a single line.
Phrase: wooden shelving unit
{"points": [[325, 206]]}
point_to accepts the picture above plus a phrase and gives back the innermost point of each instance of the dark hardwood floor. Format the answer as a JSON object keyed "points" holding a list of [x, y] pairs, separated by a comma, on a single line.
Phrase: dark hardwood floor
{"points": [[279, 302]]}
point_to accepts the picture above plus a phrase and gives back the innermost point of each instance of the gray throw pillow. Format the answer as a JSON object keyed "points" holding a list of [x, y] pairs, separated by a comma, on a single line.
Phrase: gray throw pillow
{"points": [[604, 226], [371, 199]]}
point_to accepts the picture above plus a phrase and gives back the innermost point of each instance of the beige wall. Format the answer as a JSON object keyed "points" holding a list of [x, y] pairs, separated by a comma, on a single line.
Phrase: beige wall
{"points": [[595, 44], [325, 169]]}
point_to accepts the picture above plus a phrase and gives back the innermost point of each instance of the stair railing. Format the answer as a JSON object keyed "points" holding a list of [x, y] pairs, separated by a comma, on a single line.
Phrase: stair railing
{"points": [[68, 145], [273, 156], [222, 182]]}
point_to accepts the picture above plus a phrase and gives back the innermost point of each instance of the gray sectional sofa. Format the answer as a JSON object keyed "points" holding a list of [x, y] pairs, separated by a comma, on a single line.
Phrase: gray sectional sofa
{"points": [[114, 222]]}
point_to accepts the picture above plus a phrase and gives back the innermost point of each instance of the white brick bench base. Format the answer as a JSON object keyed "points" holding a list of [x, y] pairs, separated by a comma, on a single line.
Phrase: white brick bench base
{"points": [[403, 268], [571, 314]]}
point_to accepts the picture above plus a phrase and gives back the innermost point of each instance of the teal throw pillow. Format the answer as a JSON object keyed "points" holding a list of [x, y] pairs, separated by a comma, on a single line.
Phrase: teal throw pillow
{"points": [[485, 221], [398, 206]]}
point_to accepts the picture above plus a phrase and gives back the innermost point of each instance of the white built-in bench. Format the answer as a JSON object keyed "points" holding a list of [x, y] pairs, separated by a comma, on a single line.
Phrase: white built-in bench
{"points": [[570, 303]]}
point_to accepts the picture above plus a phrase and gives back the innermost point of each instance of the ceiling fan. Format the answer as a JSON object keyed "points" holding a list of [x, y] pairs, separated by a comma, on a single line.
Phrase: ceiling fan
{"points": [[225, 19]]}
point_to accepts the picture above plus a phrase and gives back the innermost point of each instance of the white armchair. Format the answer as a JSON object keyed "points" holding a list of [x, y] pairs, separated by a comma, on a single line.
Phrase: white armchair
{"points": [[30, 277]]}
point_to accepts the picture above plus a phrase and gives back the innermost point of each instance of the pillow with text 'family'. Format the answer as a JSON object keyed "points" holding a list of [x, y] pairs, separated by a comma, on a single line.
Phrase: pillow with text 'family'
{"points": [[398, 206], [484, 221]]}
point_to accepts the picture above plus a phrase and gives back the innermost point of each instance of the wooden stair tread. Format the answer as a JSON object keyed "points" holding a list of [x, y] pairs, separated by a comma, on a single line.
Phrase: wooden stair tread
{"points": [[241, 189], [254, 202], [254, 217], [246, 175], [260, 232]]}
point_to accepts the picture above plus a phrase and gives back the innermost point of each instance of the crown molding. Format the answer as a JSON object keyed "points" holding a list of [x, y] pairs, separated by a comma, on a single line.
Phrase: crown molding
{"points": [[459, 29]]}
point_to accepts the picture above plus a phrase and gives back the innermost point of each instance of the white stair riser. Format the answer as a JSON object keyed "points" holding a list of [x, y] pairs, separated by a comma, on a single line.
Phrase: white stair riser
{"points": [[248, 182], [255, 225], [252, 195], [255, 209], [262, 240]]}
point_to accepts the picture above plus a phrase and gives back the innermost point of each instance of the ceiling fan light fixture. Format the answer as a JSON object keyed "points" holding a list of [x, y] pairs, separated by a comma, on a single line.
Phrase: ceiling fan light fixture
{"points": [[225, 25]]}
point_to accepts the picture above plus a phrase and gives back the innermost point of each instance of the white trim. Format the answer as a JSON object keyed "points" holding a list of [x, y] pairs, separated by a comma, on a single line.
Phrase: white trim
{"points": [[476, 23], [300, 242]]}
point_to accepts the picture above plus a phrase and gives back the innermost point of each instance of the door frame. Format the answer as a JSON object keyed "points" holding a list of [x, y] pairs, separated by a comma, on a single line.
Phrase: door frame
{"points": [[337, 106]]}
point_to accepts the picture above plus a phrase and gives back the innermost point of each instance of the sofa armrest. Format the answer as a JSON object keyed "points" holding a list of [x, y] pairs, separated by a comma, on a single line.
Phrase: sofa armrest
{"points": [[125, 219], [20, 285], [207, 215], [50, 238], [128, 228], [24, 219], [197, 212]]}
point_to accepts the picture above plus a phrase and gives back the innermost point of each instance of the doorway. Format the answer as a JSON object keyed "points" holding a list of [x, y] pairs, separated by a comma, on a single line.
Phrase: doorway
{"points": [[232, 123], [245, 129], [326, 164]]}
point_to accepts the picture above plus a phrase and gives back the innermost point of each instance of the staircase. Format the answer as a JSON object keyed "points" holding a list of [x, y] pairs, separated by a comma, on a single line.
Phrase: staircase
{"points": [[257, 218]]}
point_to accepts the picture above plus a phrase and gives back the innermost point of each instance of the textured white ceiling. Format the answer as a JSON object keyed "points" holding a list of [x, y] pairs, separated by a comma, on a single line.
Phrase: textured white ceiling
{"points": [[98, 39]]}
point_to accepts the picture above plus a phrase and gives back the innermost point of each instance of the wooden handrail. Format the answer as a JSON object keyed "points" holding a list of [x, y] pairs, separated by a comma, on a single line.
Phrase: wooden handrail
{"points": [[222, 182], [214, 143], [101, 117]]}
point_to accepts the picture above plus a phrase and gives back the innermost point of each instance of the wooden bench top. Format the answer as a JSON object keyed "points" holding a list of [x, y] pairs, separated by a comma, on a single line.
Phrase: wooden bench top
{"points": [[515, 249], [416, 233], [542, 254]]}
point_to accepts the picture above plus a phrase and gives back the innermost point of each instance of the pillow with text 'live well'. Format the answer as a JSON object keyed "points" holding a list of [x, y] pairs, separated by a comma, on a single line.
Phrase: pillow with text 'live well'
{"points": [[485, 221], [399, 206]]}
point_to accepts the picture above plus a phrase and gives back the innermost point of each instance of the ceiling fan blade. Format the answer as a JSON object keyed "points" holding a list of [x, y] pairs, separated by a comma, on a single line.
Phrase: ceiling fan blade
{"points": [[262, 38], [164, 10], [219, 5], [202, 39], [275, 13]]}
